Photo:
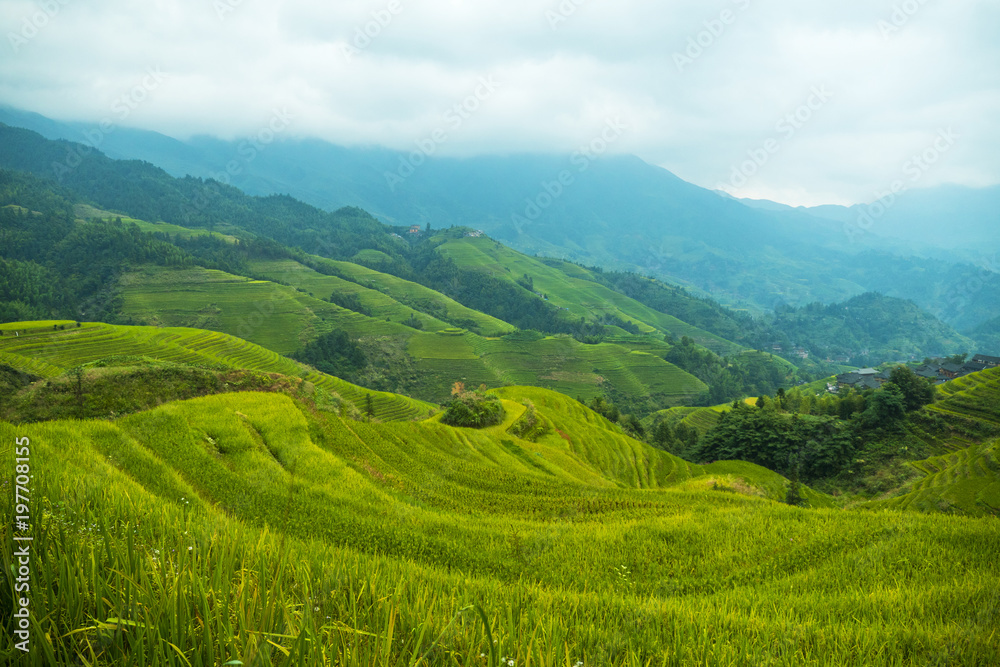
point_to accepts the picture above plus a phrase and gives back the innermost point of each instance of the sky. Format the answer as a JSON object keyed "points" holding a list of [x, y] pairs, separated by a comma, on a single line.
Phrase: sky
{"points": [[800, 102]]}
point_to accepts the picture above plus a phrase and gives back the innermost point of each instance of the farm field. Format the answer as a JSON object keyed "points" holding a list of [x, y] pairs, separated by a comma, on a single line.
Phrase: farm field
{"points": [[367, 282], [255, 528], [275, 316], [285, 317], [43, 350], [569, 287]]}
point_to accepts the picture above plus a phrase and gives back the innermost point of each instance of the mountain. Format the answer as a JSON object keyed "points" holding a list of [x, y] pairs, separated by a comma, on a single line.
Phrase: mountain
{"points": [[615, 211], [870, 329], [927, 220], [429, 280]]}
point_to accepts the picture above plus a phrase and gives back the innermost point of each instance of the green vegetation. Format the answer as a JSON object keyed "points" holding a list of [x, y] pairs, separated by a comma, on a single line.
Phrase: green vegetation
{"points": [[42, 350], [874, 445], [869, 329], [252, 527], [472, 409]]}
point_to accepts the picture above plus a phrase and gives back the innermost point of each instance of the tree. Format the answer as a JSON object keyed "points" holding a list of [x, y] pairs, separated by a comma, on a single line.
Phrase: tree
{"points": [[886, 408], [794, 494], [917, 392], [473, 409]]}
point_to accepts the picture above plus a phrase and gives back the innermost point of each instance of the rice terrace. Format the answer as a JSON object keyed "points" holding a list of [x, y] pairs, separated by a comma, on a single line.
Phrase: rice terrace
{"points": [[499, 334]]}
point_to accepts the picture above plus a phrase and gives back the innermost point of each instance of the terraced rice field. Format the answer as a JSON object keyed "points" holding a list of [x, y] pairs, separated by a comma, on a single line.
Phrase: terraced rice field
{"points": [[702, 419], [415, 295], [381, 306], [569, 288], [975, 396], [283, 318], [964, 481], [46, 352], [245, 528]]}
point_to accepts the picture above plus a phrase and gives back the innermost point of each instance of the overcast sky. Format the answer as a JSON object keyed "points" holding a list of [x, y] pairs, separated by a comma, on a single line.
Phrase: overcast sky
{"points": [[801, 102]]}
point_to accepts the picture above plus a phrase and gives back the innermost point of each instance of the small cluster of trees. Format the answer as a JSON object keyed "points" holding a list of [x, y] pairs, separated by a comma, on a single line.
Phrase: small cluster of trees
{"points": [[629, 423], [727, 377], [777, 434], [472, 409]]}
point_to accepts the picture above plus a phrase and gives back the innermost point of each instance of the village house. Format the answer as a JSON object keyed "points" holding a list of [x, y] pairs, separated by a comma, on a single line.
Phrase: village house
{"points": [[982, 361], [951, 370]]}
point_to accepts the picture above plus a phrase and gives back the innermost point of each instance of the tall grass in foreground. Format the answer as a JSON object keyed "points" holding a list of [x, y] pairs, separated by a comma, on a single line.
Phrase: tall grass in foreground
{"points": [[136, 563]]}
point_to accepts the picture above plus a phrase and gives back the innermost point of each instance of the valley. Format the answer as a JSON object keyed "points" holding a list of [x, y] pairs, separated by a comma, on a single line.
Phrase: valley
{"points": [[237, 422]]}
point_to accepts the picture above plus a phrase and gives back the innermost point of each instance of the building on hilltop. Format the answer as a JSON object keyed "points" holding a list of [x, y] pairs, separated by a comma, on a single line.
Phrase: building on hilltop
{"points": [[984, 361], [951, 370]]}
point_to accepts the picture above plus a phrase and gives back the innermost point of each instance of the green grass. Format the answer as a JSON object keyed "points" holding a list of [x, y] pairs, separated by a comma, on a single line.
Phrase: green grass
{"points": [[249, 527], [87, 212], [975, 396], [966, 481], [47, 352], [275, 316], [408, 293], [702, 419], [569, 287], [284, 317]]}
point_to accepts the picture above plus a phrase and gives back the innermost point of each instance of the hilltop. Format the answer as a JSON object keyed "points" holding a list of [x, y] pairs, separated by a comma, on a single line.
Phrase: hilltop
{"points": [[622, 213]]}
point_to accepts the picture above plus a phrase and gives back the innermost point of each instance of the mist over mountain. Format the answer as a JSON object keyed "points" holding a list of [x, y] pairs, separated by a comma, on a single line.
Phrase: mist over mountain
{"points": [[618, 212], [946, 221]]}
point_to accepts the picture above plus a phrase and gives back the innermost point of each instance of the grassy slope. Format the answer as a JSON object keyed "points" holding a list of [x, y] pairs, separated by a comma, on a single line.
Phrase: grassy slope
{"points": [[41, 350], [236, 520], [84, 211], [275, 316], [570, 287], [407, 292], [282, 318], [965, 476]]}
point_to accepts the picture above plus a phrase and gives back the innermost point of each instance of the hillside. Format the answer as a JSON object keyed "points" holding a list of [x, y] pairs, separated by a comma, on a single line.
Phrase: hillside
{"points": [[264, 528], [963, 474], [870, 329], [602, 334], [622, 213], [49, 348], [417, 340]]}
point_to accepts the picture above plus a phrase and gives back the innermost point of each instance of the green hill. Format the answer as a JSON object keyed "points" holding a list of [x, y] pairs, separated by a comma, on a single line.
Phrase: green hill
{"points": [[49, 348], [573, 289], [260, 528]]}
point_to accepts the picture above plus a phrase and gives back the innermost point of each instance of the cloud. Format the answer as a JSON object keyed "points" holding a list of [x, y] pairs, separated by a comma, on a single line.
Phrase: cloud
{"points": [[701, 85]]}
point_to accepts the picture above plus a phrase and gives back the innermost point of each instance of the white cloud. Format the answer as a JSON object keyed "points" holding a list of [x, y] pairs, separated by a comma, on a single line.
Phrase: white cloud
{"points": [[564, 67]]}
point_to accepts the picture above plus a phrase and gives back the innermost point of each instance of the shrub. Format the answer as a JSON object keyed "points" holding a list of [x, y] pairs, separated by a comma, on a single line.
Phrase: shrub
{"points": [[473, 409]]}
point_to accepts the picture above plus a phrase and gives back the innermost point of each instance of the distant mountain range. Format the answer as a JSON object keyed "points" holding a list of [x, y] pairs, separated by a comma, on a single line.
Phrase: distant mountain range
{"points": [[937, 247], [927, 221]]}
